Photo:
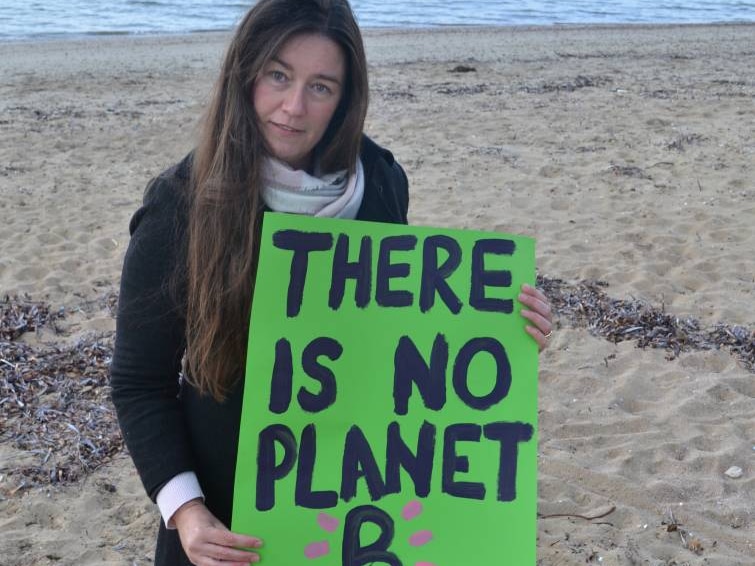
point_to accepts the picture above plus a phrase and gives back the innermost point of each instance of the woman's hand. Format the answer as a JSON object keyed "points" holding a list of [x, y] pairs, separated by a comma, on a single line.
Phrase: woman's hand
{"points": [[538, 313], [207, 542]]}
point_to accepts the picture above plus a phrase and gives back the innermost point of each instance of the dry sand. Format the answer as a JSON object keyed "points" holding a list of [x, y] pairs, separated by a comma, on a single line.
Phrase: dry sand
{"points": [[628, 152]]}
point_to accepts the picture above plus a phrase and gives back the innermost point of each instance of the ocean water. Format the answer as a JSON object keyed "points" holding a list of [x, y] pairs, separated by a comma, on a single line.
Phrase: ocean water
{"points": [[24, 19]]}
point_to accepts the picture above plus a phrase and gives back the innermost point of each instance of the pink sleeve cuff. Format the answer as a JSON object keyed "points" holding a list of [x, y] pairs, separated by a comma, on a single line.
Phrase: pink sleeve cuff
{"points": [[181, 489]]}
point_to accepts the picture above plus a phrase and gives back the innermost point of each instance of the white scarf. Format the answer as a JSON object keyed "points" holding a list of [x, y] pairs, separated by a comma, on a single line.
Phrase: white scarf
{"points": [[334, 195]]}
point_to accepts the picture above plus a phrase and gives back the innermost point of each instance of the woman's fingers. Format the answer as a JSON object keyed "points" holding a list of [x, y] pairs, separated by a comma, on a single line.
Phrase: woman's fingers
{"points": [[228, 547], [539, 314], [208, 553], [217, 545], [231, 539], [207, 542], [540, 338], [536, 300], [540, 322]]}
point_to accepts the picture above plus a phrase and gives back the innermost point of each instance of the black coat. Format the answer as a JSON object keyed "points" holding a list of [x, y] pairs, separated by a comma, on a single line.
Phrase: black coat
{"points": [[167, 426]]}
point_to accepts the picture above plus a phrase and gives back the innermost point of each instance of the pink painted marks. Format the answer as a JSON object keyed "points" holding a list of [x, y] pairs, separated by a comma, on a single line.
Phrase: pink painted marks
{"points": [[420, 538], [327, 522], [411, 510], [321, 548], [317, 549], [330, 524]]}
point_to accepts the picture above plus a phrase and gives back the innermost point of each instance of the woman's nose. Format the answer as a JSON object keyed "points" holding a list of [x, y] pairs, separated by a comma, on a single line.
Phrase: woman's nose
{"points": [[294, 102]]}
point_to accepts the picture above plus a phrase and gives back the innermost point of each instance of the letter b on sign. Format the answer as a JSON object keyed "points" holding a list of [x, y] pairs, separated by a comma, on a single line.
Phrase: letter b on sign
{"points": [[354, 554]]}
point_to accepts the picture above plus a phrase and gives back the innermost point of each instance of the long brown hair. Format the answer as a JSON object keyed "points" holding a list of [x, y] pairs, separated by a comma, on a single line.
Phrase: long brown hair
{"points": [[225, 203]]}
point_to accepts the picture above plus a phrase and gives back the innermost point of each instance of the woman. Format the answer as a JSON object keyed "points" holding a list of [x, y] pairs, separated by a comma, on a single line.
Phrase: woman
{"points": [[283, 132]]}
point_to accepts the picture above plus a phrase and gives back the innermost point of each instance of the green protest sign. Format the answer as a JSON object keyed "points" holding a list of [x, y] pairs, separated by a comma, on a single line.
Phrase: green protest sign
{"points": [[390, 401]]}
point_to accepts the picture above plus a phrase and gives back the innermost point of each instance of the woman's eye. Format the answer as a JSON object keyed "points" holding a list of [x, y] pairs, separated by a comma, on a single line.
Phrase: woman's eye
{"points": [[277, 76], [320, 88]]}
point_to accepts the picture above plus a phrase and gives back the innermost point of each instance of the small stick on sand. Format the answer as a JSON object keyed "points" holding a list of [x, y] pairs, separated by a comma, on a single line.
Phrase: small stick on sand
{"points": [[585, 517]]}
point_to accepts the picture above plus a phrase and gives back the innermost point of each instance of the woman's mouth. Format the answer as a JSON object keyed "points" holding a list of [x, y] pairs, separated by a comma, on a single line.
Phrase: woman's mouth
{"points": [[287, 129]]}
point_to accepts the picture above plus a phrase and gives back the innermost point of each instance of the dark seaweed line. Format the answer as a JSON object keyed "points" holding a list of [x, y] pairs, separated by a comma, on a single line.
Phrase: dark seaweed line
{"points": [[585, 304], [55, 401]]}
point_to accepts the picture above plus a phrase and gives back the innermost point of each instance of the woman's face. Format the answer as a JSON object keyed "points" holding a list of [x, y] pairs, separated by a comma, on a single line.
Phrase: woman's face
{"points": [[296, 94]]}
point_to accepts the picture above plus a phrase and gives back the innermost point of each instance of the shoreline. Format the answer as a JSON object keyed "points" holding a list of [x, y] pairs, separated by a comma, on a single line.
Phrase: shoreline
{"points": [[492, 43], [378, 30]]}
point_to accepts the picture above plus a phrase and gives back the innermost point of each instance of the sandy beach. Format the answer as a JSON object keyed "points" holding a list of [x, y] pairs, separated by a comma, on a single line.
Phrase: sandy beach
{"points": [[627, 152]]}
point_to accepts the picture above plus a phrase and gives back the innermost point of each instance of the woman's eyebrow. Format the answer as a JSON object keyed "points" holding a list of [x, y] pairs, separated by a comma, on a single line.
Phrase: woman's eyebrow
{"points": [[321, 76], [281, 62]]}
